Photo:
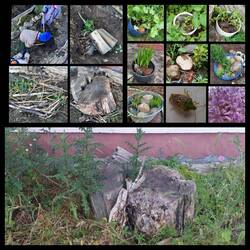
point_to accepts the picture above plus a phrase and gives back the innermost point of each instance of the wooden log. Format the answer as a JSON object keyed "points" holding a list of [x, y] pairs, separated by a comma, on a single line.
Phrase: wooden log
{"points": [[99, 42], [109, 39], [118, 213], [121, 154]]}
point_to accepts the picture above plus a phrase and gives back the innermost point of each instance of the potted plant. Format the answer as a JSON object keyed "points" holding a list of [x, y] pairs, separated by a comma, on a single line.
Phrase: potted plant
{"points": [[144, 106], [227, 23], [136, 22], [227, 66], [185, 21], [142, 67], [146, 19]]}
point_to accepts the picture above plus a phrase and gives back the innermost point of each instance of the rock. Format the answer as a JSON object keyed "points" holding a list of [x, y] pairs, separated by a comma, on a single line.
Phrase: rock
{"points": [[112, 181], [168, 60], [147, 98], [238, 58], [232, 60], [163, 199], [173, 71], [144, 107], [236, 66], [185, 62]]}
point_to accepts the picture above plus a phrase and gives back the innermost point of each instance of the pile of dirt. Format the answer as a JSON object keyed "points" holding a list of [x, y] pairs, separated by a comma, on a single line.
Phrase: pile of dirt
{"points": [[103, 16]]}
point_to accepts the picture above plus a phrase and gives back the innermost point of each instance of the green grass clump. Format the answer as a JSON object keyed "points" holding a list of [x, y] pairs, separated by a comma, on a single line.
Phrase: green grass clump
{"points": [[144, 56]]}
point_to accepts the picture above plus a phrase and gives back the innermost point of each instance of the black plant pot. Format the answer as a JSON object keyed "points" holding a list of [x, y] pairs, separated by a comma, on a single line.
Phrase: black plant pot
{"points": [[142, 78]]}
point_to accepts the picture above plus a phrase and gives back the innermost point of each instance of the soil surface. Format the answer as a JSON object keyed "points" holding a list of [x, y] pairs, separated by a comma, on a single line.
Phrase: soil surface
{"points": [[159, 118], [77, 116], [214, 79], [22, 117], [103, 16], [44, 53], [158, 60]]}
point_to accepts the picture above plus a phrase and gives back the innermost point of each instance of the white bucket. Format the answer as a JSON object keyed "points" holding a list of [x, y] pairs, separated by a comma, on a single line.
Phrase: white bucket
{"points": [[224, 33], [184, 14]]}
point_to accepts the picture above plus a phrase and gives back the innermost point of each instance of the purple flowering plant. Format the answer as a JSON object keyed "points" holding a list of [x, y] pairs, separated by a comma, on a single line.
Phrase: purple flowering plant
{"points": [[226, 104]]}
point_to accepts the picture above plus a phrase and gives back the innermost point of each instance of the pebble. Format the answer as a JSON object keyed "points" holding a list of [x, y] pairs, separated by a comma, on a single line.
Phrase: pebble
{"points": [[185, 62], [144, 107], [173, 71], [236, 66]]}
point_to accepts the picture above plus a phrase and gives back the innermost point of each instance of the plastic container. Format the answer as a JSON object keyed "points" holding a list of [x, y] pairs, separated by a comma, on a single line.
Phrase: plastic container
{"points": [[226, 77], [144, 79], [148, 117], [224, 33], [134, 32], [184, 14]]}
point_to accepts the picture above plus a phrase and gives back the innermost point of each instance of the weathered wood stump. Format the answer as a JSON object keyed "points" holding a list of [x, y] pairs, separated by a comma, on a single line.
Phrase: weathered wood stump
{"points": [[164, 198], [158, 197]]}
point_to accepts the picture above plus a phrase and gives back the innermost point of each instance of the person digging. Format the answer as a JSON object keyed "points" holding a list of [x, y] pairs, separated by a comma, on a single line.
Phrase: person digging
{"points": [[32, 38], [49, 14]]}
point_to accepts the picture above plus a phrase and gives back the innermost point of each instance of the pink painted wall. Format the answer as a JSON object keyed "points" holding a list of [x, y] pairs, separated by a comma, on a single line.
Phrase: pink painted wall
{"points": [[191, 145]]}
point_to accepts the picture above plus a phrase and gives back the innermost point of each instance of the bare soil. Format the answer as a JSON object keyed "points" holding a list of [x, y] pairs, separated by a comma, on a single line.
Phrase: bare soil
{"points": [[103, 16]]}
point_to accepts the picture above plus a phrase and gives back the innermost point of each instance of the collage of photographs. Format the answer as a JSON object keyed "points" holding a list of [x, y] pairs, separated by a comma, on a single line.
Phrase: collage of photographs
{"points": [[125, 124], [184, 64]]}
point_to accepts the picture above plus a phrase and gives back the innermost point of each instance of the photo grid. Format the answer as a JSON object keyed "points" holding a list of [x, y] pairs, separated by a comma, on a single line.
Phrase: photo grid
{"points": [[126, 124], [159, 64]]}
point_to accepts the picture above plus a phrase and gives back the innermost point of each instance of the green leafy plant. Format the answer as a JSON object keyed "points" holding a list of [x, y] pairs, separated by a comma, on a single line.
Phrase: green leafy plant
{"points": [[200, 57], [155, 102], [138, 148], [148, 17], [21, 86], [143, 57], [218, 56], [136, 100], [81, 177], [88, 26], [221, 14], [174, 33]]}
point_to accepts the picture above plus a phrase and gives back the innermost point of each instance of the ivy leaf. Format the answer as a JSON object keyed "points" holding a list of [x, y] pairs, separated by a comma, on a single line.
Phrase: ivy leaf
{"points": [[203, 19]]}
